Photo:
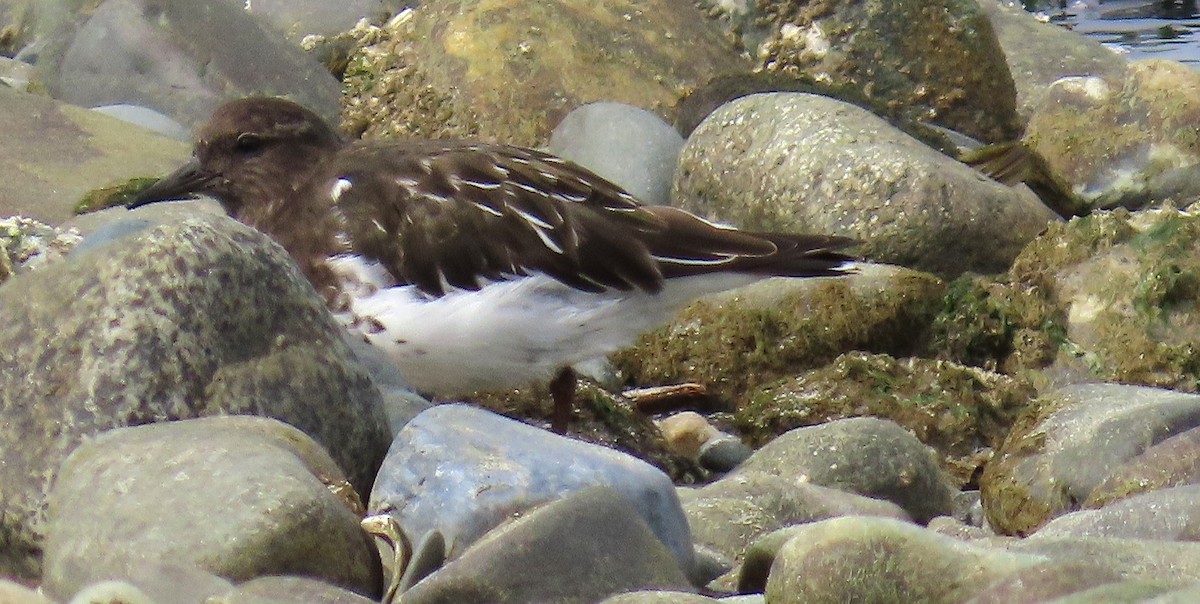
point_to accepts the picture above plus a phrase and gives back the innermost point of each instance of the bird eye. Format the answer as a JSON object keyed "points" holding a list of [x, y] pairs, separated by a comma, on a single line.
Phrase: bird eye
{"points": [[248, 143]]}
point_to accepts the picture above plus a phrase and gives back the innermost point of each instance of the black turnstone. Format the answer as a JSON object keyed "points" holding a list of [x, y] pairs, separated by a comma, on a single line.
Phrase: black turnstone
{"points": [[473, 266]]}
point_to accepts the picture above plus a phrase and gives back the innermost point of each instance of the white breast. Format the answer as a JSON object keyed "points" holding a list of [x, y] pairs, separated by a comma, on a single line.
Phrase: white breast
{"points": [[508, 333]]}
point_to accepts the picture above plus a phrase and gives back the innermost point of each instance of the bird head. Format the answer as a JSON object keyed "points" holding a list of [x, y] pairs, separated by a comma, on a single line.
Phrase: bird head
{"points": [[251, 155]]}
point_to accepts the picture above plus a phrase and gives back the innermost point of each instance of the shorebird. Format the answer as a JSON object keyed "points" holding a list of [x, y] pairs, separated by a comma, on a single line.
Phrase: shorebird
{"points": [[473, 266]]}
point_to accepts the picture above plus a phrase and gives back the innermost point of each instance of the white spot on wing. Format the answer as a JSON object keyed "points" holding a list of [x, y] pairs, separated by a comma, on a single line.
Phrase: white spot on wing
{"points": [[534, 220], [339, 188]]}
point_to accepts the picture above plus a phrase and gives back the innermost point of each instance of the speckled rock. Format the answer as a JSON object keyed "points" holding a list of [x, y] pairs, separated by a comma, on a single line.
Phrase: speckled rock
{"points": [[1109, 297], [938, 59], [1133, 559], [509, 71], [732, 513], [962, 412], [1164, 515], [1125, 140], [579, 549], [1045, 581], [199, 317], [53, 153], [289, 590], [240, 497], [882, 560], [737, 342], [462, 471], [1028, 41], [1068, 444], [26, 244], [868, 456], [806, 163]]}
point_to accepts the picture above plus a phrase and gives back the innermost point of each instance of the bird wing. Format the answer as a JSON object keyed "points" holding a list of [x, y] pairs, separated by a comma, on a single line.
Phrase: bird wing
{"points": [[449, 213]]}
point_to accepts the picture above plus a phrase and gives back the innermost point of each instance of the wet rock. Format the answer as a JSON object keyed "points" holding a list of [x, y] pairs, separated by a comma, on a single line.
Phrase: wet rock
{"points": [[1027, 42], [882, 560], [737, 342], [1164, 515], [586, 546], [868, 456], [1069, 442], [805, 163], [236, 496], [732, 513], [1123, 140], [286, 590], [1108, 297], [462, 471], [198, 317], [962, 412]]}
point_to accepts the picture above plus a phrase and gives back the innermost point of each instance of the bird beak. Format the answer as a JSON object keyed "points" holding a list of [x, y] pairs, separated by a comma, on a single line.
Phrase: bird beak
{"points": [[183, 183]]}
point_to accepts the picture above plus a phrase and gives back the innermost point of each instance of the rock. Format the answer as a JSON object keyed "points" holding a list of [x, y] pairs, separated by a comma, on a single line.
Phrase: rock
{"points": [[296, 19], [235, 496], [1118, 141], [724, 453], [883, 560], [1132, 559], [436, 71], [1069, 442], [581, 548], [687, 432], [1027, 41], [111, 592], [164, 582], [15, 593], [936, 59], [180, 57], [962, 412], [147, 118], [55, 153], [1044, 582], [1165, 515], [288, 590], [661, 597], [462, 471], [1167, 463], [732, 513], [739, 341], [804, 163], [1109, 297], [629, 146], [26, 244], [868, 456], [199, 317]]}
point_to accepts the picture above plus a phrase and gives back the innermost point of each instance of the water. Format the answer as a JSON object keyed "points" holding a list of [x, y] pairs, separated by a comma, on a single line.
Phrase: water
{"points": [[1139, 29]]}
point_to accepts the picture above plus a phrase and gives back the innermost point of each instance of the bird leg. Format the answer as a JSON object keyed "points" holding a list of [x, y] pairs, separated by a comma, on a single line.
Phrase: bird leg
{"points": [[562, 391]]}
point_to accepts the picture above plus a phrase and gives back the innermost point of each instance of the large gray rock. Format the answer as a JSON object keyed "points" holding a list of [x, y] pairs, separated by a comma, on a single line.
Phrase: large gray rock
{"points": [[200, 317], [240, 497], [580, 549], [806, 163], [864, 455], [462, 471]]}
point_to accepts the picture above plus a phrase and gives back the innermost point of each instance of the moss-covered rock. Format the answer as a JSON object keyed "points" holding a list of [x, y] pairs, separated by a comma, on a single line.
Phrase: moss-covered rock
{"points": [[962, 412]]}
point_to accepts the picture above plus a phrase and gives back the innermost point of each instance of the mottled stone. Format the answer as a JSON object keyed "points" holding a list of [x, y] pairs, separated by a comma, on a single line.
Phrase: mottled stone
{"points": [[868, 456], [239, 497], [579, 549], [807, 163], [962, 412], [739, 341], [199, 317], [1069, 442], [882, 560], [1133, 559], [509, 71], [462, 471], [1164, 515]]}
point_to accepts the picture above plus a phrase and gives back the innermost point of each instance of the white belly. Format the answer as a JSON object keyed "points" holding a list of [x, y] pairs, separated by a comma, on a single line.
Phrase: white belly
{"points": [[508, 333]]}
